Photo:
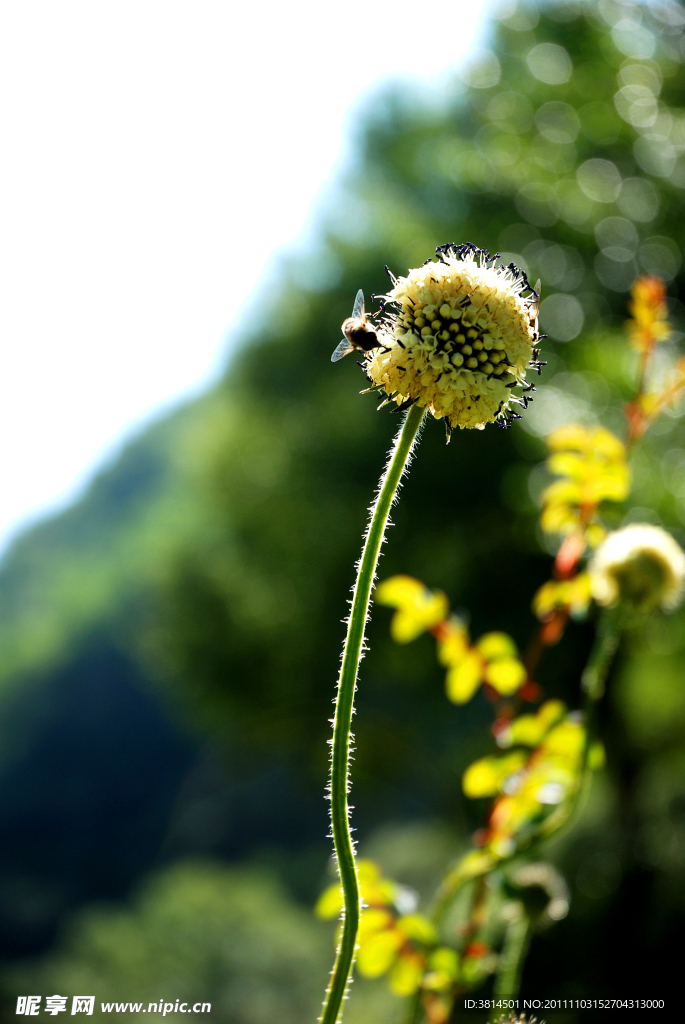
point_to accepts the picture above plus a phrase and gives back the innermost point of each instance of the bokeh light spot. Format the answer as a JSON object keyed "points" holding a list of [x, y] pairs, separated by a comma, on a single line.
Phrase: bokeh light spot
{"points": [[600, 180], [562, 316], [550, 63]]}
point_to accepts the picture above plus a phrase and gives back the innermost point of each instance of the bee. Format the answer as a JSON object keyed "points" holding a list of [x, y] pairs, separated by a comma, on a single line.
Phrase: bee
{"points": [[357, 333]]}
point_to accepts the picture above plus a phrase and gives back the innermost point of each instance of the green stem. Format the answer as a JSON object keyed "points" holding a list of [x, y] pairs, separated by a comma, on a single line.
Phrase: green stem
{"points": [[449, 887], [415, 1014], [516, 941], [596, 671], [347, 684]]}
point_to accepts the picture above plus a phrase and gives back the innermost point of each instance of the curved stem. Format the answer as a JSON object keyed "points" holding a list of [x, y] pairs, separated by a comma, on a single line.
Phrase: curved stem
{"points": [[508, 980], [447, 892], [593, 680], [347, 683], [601, 656]]}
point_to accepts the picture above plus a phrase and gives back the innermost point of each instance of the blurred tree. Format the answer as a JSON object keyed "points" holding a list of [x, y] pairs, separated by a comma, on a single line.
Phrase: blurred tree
{"points": [[199, 933]]}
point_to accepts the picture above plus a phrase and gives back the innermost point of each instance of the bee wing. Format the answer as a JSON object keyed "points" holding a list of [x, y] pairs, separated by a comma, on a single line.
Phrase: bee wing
{"points": [[359, 305], [343, 349]]}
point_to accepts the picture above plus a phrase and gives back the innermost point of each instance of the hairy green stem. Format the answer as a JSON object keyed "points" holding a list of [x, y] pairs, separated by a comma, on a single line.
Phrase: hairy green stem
{"points": [[516, 940], [344, 706]]}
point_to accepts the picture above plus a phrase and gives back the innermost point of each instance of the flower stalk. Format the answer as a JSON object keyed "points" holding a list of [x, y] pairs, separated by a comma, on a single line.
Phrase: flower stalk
{"points": [[516, 942], [344, 706], [599, 662]]}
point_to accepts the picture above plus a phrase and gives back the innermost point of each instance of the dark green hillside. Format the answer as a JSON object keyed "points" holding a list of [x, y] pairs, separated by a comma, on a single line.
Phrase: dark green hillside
{"points": [[77, 569], [212, 563]]}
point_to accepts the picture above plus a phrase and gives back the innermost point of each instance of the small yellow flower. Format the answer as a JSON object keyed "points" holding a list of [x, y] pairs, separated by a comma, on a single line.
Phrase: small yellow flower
{"points": [[443, 970], [387, 940], [453, 642], [591, 463], [574, 594], [463, 337], [649, 323], [653, 403], [488, 775], [418, 608], [529, 730], [528, 785], [548, 779], [378, 948], [376, 891], [492, 660], [641, 566], [405, 977]]}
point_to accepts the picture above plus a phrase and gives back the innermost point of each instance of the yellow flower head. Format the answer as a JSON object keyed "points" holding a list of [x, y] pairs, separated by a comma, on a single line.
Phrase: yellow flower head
{"points": [[462, 338], [640, 566]]}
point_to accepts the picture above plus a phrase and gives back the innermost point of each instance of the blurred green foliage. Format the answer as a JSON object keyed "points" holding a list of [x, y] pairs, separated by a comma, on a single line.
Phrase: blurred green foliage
{"points": [[199, 933], [218, 553]]}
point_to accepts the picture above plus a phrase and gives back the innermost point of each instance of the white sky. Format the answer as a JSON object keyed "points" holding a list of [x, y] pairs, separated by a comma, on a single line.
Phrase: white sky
{"points": [[154, 155]]}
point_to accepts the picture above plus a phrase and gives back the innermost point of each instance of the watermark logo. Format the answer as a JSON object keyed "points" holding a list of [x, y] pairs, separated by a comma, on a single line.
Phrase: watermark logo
{"points": [[30, 1006], [55, 1004], [83, 1004]]}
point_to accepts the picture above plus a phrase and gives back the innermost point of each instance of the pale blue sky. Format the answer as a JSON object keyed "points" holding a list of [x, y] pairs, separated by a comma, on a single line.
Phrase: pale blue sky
{"points": [[155, 156]]}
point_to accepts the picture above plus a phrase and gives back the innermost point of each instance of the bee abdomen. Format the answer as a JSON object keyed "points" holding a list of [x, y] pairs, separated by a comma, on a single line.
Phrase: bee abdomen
{"points": [[364, 338]]}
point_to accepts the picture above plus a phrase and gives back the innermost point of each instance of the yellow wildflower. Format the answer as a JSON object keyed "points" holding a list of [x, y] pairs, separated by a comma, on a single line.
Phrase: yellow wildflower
{"points": [[591, 464], [463, 337], [529, 730], [418, 608], [388, 940], [528, 786], [489, 775], [649, 323], [574, 594], [493, 659]]}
